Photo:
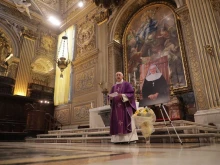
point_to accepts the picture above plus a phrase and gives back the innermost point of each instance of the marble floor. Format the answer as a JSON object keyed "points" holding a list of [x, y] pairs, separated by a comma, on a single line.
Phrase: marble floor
{"points": [[109, 154]]}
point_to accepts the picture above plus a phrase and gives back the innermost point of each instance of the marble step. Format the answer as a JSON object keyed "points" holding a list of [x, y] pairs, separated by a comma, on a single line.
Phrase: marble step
{"points": [[189, 131], [82, 134], [156, 125], [78, 133], [79, 130], [201, 137]]}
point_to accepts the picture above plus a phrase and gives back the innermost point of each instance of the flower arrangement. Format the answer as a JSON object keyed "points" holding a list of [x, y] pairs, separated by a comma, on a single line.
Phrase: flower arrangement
{"points": [[144, 118], [144, 112]]}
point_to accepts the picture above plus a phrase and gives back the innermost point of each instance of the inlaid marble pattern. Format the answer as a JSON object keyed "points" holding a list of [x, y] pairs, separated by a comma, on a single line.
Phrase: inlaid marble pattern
{"points": [[108, 154]]}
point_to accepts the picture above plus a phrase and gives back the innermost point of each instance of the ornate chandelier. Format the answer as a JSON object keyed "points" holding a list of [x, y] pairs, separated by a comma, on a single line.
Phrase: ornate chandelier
{"points": [[62, 62]]}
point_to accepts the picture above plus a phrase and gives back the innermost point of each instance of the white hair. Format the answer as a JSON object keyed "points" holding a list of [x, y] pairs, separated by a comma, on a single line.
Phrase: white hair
{"points": [[119, 73]]}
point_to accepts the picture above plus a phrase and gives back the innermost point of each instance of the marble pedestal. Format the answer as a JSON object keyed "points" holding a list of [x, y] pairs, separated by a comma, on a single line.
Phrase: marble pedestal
{"points": [[100, 116], [95, 119], [208, 116]]}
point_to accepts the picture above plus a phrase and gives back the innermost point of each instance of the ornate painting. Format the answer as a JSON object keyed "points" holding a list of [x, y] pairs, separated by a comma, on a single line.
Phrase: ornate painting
{"points": [[48, 43], [153, 39]]}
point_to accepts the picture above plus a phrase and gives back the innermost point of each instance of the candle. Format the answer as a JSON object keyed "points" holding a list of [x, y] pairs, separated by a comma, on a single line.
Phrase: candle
{"points": [[129, 78], [134, 79], [91, 105]]}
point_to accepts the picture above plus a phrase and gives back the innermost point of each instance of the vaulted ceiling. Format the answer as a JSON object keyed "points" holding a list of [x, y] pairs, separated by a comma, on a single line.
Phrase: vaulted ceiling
{"points": [[42, 9]]}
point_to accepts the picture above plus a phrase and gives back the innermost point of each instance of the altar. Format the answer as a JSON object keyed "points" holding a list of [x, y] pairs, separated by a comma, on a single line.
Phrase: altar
{"points": [[99, 117]]}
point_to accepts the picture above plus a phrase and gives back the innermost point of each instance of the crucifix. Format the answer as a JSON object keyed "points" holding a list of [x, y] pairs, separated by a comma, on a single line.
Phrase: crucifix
{"points": [[120, 122]]}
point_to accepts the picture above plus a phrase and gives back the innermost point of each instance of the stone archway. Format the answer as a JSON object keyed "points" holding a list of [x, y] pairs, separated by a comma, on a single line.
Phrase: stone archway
{"points": [[9, 43], [42, 68], [117, 28]]}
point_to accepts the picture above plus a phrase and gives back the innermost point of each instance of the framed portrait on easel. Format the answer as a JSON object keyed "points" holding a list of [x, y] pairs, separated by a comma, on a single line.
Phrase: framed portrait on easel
{"points": [[154, 55]]}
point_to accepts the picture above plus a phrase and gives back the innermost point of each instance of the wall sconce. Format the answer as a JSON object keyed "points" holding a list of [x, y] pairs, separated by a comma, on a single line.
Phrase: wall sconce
{"points": [[62, 62]]}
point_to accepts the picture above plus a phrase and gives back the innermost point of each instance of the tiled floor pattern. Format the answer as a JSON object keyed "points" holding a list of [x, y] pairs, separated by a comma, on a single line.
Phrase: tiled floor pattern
{"points": [[109, 154]]}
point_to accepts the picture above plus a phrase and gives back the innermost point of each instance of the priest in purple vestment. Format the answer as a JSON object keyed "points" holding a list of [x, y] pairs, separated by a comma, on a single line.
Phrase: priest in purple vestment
{"points": [[122, 127]]}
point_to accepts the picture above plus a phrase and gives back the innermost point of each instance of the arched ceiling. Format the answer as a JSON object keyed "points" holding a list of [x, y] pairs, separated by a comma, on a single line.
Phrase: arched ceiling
{"points": [[62, 9], [42, 9]]}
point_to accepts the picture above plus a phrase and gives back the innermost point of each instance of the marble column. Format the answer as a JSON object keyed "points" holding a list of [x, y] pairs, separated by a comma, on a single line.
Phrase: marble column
{"points": [[102, 63], [115, 61], [207, 43], [24, 68]]}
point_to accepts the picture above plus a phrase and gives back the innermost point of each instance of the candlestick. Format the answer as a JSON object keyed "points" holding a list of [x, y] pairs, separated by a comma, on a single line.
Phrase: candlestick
{"points": [[134, 79]]}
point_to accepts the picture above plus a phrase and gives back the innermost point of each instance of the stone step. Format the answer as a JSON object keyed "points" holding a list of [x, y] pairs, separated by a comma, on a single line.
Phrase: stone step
{"points": [[187, 129], [194, 129], [70, 140], [182, 135], [156, 125], [82, 134], [205, 137], [79, 130]]}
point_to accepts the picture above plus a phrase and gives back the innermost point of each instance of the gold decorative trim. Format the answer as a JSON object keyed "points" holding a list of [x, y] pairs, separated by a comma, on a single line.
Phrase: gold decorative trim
{"points": [[192, 55]]}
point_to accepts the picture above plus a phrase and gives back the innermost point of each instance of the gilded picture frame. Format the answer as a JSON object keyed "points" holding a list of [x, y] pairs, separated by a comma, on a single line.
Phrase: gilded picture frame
{"points": [[153, 36]]}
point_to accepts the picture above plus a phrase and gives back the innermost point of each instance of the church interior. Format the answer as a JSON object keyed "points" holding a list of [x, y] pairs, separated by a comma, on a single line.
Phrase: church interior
{"points": [[58, 60]]}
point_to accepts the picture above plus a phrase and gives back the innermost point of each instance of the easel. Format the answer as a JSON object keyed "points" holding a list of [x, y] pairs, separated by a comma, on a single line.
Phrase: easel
{"points": [[162, 107]]}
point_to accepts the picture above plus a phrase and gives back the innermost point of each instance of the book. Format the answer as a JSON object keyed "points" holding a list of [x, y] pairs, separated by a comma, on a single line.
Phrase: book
{"points": [[113, 94]]}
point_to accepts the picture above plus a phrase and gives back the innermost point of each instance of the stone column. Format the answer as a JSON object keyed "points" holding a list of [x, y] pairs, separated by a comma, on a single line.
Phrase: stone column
{"points": [[24, 70], [207, 43], [102, 63], [115, 61]]}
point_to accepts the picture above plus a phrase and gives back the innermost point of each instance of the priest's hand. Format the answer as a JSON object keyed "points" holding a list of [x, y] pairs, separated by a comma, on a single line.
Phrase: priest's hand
{"points": [[120, 95]]}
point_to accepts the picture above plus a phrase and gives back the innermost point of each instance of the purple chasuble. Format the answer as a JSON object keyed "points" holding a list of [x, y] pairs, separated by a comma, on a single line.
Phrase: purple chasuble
{"points": [[120, 121]]}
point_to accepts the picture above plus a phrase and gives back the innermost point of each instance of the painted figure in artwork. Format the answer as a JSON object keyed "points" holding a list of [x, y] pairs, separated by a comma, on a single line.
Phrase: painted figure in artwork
{"points": [[155, 88]]}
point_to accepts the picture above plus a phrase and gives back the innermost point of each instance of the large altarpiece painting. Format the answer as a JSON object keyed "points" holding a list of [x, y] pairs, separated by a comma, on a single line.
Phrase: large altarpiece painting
{"points": [[153, 37]]}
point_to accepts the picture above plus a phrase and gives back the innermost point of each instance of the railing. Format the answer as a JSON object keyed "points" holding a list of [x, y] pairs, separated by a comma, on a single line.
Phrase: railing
{"points": [[51, 123]]}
